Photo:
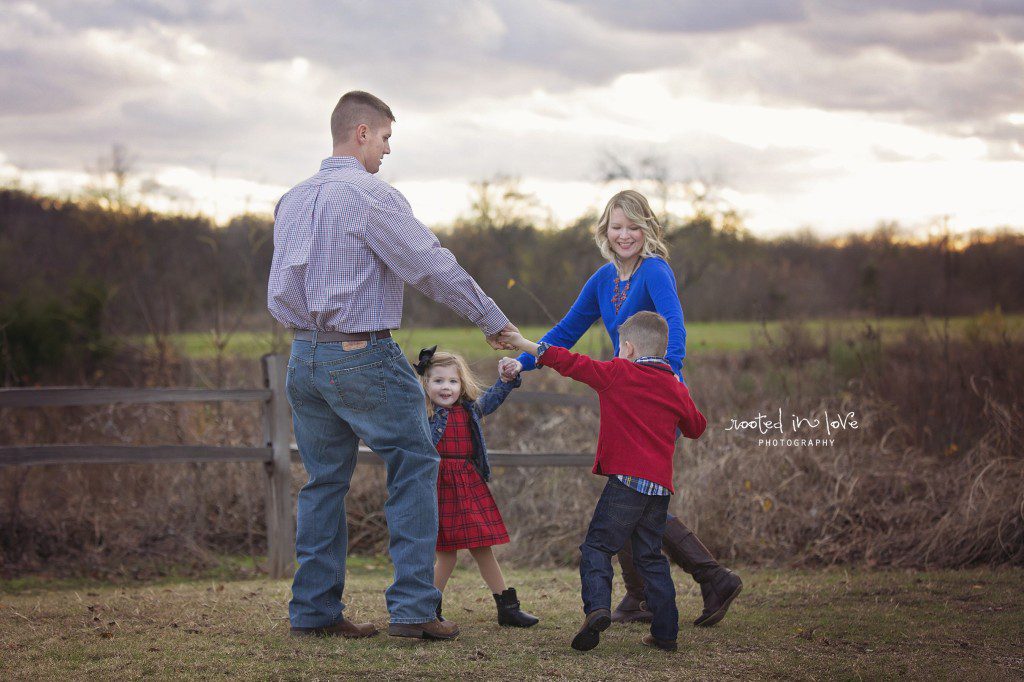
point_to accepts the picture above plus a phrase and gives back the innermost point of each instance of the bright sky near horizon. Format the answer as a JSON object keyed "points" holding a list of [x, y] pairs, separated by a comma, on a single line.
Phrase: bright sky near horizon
{"points": [[829, 115]]}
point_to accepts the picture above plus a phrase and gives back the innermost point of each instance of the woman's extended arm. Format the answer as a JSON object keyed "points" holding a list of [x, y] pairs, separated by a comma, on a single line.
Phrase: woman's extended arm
{"points": [[661, 283], [583, 313]]}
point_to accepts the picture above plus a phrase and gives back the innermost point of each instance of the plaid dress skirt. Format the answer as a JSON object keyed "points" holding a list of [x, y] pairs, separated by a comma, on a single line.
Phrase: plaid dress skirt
{"points": [[467, 514]]}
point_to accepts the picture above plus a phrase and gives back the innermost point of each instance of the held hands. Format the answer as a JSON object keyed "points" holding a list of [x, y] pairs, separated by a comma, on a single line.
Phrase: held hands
{"points": [[516, 340], [496, 342], [509, 369]]}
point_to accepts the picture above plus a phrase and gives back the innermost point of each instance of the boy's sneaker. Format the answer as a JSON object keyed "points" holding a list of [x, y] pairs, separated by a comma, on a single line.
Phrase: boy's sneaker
{"points": [[663, 644], [589, 634]]}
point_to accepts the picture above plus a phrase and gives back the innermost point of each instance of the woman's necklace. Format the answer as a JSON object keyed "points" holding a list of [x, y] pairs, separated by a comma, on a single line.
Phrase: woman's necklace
{"points": [[619, 297]]}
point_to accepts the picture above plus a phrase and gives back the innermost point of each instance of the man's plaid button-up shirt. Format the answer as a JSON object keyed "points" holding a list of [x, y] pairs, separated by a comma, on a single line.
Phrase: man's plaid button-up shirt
{"points": [[345, 243]]}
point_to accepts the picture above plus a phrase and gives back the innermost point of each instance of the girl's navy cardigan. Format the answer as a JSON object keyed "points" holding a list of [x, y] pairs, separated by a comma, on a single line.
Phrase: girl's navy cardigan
{"points": [[487, 403]]}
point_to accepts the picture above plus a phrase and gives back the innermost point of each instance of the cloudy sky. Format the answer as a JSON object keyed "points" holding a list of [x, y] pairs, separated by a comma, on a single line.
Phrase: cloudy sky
{"points": [[832, 115]]}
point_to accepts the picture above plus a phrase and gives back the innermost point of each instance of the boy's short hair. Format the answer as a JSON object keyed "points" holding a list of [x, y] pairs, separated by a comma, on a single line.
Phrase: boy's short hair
{"points": [[647, 331], [358, 107]]}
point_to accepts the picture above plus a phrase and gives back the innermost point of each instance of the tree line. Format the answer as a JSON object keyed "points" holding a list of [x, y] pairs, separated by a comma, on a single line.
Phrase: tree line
{"points": [[82, 270]]}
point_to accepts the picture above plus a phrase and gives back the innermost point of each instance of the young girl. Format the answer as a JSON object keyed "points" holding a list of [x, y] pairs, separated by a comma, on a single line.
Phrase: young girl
{"points": [[467, 515]]}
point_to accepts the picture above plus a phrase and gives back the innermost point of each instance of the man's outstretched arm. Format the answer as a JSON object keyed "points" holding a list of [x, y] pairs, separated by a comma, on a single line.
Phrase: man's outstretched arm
{"points": [[413, 253]]}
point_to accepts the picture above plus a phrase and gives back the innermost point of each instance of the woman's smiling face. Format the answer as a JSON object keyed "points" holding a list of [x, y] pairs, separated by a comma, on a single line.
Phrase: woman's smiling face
{"points": [[626, 237]]}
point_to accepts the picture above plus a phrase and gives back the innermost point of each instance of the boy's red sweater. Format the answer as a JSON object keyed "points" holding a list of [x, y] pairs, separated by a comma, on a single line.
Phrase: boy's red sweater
{"points": [[641, 407]]}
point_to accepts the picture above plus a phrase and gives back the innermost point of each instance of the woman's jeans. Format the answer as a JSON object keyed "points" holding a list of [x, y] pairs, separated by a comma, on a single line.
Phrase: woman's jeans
{"points": [[625, 515], [339, 397]]}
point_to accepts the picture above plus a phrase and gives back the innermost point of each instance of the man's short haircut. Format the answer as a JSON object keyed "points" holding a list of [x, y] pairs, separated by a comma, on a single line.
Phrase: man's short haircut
{"points": [[647, 331], [354, 108]]}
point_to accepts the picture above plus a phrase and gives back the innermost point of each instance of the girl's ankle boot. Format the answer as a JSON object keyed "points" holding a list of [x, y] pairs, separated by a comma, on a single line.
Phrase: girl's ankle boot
{"points": [[509, 612], [439, 617]]}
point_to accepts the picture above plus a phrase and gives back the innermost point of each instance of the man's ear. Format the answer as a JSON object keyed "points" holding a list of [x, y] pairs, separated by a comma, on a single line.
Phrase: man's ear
{"points": [[629, 348], [362, 132]]}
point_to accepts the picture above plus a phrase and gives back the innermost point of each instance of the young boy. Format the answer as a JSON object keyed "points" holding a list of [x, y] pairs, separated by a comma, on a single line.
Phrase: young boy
{"points": [[642, 406]]}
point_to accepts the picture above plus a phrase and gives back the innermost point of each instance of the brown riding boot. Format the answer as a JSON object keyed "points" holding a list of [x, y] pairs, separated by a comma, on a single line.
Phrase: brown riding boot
{"points": [[718, 585], [632, 608]]}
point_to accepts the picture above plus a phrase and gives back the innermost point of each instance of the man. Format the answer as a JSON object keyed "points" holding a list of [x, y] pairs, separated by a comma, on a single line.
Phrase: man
{"points": [[345, 243]]}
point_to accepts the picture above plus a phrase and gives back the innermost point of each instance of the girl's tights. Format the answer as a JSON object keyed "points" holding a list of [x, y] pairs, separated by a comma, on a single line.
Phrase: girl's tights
{"points": [[490, 571]]}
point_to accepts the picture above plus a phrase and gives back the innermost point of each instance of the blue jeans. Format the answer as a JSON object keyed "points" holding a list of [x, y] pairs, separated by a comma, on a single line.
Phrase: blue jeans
{"points": [[338, 398], [625, 515]]}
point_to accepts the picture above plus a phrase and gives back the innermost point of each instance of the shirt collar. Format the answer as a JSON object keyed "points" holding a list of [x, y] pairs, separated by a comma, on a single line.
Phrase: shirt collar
{"points": [[340, 162], [654, 361]]}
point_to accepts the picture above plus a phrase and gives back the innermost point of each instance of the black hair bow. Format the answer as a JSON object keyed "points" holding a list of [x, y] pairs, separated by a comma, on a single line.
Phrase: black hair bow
{"points": [[426, 355]]}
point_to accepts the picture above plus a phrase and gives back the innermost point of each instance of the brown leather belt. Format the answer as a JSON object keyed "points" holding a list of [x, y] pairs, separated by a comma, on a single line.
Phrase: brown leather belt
{"points": [[338, 337]]}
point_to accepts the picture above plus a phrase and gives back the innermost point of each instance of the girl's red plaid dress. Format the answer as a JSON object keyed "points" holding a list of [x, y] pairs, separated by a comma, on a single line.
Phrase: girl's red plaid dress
{"points": [[467, 514]]}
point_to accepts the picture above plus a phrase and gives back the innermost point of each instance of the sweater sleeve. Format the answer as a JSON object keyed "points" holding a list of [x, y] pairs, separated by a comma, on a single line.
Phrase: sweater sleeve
{"points": [[692, 423], [661, 283], [495, 396], [583, 313], [594, 373]]}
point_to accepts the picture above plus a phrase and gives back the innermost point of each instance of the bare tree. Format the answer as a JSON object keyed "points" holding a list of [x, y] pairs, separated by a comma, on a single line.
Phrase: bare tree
{"points": [[110, 178], [500, 201], [652, 174]]}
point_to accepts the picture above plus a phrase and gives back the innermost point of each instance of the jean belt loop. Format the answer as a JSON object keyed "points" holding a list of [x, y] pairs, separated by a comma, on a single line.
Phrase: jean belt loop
{"points": [[314, 339], [373, 338]]}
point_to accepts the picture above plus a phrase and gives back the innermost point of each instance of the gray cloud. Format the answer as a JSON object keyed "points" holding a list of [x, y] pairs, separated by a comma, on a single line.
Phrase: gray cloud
{"points": [[693, 16], [114, 14], [943, 64], [991, 8], [933, 37], [964, 96]]}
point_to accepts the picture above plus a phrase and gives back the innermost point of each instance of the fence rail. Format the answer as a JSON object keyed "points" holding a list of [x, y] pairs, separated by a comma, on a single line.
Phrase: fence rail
{"points": [[72, 396], [30, 455], [276, 453]]}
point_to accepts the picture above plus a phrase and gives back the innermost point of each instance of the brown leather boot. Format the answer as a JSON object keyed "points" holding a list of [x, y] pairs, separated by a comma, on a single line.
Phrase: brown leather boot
{"points": [[434, 629], [632, 608], [718, 585], [343, 628]]}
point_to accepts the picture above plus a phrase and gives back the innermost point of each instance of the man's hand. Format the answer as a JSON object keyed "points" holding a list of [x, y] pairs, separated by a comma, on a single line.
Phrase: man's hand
{"points": [[517, 340], [509, 369], [495, 340]]}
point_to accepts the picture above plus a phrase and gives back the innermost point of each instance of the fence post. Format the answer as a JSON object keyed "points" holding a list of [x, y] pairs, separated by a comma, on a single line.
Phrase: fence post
{"points": [[277, 434]]}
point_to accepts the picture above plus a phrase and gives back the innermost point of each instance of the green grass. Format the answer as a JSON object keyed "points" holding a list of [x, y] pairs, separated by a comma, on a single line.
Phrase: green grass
{"points": [[803, 624], [701, 336]]}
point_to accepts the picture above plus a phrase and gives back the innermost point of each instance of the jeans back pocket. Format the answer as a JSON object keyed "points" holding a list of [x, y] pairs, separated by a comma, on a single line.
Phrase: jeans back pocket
{"points": [[361, 388]]}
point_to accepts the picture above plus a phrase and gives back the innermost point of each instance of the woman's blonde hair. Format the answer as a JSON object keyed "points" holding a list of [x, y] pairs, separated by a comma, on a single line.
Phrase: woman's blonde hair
{"points": [[471, 390], [639, 212]]}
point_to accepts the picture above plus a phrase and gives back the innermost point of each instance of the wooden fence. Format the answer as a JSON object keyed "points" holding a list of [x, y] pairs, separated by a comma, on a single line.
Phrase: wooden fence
{"points": [[276, 451]]}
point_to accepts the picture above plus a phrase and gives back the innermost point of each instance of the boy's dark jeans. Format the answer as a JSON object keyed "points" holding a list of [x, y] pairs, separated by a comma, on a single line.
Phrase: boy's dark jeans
{"points": [[625, 515]]}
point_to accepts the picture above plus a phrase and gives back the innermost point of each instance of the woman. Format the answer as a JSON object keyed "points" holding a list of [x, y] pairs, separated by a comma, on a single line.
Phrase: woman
{"points": [[637, 277]]}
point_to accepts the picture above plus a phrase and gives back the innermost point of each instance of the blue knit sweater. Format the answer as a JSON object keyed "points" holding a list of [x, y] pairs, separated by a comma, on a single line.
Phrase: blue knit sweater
{"points": [[652, 287]]}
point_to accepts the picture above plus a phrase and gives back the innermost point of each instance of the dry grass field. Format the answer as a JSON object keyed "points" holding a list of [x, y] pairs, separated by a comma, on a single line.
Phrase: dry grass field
{"points": [[788, 624]]}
